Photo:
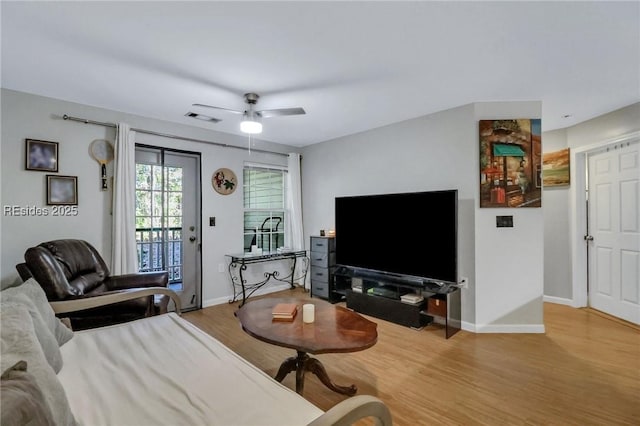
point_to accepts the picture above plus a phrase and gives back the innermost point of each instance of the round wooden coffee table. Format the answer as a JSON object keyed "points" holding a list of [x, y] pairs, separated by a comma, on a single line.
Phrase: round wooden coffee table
{"points": [[335, 329]]}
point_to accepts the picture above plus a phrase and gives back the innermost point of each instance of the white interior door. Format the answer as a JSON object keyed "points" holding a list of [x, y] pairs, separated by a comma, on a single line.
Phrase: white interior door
{"points": [[168, 219], [614, 231]]}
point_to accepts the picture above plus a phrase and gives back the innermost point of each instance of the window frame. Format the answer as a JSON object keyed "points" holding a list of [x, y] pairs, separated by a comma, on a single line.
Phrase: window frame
{"points": [[264, 238]]}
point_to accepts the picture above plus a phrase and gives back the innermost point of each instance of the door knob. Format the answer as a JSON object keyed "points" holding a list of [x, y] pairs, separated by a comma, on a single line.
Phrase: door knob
{"points": [[588, 237], [192, 238]]}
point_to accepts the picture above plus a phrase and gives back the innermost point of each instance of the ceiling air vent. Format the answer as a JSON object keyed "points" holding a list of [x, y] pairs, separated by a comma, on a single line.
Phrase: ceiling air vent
{"points": [[202, 117]]}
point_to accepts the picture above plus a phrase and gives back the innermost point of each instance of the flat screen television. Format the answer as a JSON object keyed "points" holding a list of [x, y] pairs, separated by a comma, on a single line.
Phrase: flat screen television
{"points": [[407, 234]]}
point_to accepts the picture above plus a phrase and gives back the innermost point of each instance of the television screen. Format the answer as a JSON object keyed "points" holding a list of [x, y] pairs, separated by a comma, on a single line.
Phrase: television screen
{"points": [[411, 234]]}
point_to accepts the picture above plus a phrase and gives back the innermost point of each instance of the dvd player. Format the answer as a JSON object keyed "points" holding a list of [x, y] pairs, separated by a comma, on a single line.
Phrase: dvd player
{"points": [[385, 292]]}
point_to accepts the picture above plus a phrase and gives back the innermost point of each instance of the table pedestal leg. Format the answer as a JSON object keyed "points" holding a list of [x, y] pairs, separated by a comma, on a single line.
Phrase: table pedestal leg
{"points": [[303, 363], [315, 366], [286, 367]]}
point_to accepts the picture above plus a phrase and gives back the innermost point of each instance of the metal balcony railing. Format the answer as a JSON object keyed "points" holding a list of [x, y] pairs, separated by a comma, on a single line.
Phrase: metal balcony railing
{"points": [[160, 249]]}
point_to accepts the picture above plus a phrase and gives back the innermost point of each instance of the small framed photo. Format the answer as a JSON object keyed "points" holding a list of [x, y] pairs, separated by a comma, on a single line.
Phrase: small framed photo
{"points": [[62, 190], [42, 155]]}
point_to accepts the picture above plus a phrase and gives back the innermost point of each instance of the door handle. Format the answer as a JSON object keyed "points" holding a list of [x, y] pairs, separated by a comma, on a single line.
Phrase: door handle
{"points": [[192, 238], [588, 237]]}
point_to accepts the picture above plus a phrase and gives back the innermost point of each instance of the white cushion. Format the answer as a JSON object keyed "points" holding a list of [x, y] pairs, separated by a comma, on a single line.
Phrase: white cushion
{"points": [[163, 370]]}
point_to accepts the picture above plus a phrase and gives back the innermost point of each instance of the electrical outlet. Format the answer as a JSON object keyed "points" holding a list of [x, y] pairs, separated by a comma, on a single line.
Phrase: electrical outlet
{"points": [[221, 267], [464, 282]]}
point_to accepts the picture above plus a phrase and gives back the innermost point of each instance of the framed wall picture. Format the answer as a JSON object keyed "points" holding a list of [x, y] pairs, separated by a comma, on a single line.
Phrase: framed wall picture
{"points": [[62, 190], [41, 155], [556, 168], [224, 181], [510, 160]]}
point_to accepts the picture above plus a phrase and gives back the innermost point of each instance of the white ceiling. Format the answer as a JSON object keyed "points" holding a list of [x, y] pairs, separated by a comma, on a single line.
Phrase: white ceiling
{"points": [[353, 66]]}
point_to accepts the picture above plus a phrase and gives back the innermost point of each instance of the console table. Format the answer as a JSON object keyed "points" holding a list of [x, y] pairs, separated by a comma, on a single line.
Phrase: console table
{"points": [[239, 263]]}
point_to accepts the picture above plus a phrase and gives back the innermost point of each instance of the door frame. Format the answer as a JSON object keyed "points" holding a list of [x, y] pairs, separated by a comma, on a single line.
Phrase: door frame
{"points": [[578, 206], [198, 208]]}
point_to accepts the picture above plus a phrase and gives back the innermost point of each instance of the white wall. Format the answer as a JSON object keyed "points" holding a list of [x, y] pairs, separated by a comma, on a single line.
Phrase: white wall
{"points": [[557, 244], [440, 151], [29, 116], [423, 154], [605, 127], [509, 261]]}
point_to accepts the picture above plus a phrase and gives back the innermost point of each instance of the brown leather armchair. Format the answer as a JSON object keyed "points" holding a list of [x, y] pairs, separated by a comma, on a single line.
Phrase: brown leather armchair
{"points": [[72, 269]]}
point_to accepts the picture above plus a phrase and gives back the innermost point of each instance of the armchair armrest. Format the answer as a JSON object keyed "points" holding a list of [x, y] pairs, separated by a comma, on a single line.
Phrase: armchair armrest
{"points": [[111, 297], [137, 280], [353, 409]]}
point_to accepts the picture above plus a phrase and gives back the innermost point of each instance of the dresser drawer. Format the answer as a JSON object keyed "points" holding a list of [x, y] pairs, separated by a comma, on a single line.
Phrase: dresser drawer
{"points": [[319, 289], [323, 245], [321, 274], [322, 259]]}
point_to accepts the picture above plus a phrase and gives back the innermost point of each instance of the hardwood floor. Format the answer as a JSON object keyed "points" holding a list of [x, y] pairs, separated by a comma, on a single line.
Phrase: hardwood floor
{"points": [[585, 370]]}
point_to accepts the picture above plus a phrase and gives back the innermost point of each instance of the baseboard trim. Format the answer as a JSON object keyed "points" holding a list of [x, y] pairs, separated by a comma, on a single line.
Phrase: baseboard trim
{"points": [[468, 326], [262, 291], [510, 328], [216, 301], [502, 328], [558, 300]]}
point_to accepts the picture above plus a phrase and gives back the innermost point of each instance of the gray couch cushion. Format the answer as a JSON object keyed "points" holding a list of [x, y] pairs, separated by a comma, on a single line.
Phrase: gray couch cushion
{"points": [[22, 400], [32, 290], [18, 342], [48, 342]]}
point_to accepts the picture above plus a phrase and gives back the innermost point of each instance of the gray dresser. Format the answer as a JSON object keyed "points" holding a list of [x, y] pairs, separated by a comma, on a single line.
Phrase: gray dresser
{"points": [[323, 260]]}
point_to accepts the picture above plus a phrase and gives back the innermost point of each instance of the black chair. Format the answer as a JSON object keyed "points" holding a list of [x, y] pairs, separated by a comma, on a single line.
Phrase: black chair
{"points": [[71, 269], [269, 226]]}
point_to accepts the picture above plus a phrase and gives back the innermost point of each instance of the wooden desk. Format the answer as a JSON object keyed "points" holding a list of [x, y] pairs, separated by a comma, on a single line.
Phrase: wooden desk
{"points": [[335, 329]]}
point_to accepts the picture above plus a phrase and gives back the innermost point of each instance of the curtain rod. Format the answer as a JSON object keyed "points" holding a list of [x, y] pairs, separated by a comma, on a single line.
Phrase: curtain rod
{"points": [[168, 135]]}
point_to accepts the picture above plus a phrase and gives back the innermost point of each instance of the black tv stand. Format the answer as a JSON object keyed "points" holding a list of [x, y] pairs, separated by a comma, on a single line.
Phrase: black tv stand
{"points": [[379, 295]]}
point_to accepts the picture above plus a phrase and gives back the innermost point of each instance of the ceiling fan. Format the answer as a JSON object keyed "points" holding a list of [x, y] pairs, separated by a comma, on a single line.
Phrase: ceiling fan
{"points": [[251, 119]]}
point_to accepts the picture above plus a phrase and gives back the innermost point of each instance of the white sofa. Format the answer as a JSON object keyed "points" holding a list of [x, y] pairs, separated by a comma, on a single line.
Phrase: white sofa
{"points": [[153, 371]]}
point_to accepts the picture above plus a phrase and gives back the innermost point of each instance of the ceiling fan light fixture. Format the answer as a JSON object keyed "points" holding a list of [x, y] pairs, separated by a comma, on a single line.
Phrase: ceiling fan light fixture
{"points": [[251, 119], [251, 123]]}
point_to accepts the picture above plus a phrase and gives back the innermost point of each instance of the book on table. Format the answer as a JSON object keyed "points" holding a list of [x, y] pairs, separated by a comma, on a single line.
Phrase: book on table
{"points": [[412, 299], [284, 311]]}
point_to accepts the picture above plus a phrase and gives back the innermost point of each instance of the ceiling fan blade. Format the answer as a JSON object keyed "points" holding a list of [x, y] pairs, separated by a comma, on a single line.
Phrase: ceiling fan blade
{"points": [[266, 113], [220, 108]]}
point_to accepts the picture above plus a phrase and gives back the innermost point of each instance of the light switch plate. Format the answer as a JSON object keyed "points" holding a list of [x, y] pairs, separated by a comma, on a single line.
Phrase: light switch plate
{"points": [[504, 221]]}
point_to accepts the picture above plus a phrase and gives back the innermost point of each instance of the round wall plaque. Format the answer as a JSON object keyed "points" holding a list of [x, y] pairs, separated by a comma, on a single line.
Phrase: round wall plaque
{"points": [[224, 181]]}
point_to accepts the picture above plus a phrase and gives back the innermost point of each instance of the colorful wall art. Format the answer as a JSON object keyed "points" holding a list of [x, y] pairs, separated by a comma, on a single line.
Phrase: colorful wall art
{"points": [[555, 168], [510, 163]]}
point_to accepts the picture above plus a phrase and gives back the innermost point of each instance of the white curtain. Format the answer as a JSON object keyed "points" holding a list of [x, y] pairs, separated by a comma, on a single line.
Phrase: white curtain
{"points": [[124, 257], [295, 235]]}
